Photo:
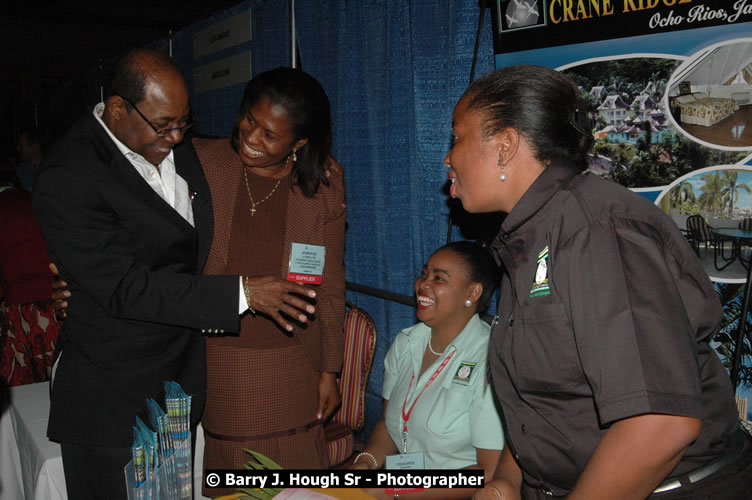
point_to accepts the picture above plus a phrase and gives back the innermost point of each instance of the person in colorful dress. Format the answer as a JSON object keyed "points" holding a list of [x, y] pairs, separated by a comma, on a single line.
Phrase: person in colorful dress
{"points": [[30, 329]]}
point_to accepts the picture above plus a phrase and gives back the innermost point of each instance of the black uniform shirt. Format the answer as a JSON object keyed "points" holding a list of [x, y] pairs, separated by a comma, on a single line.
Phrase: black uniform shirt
{"points": [[605, 313]]}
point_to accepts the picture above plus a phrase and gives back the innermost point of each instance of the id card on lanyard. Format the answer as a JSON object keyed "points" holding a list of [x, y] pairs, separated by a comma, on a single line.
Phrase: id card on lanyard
{"points": [[415, 460]]}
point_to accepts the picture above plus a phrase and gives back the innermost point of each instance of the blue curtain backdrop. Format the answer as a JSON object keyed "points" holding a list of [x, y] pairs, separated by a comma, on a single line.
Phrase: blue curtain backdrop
{"points": [[393, 70]]}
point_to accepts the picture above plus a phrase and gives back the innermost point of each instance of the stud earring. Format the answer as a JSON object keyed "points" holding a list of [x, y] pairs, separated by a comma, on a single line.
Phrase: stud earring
{"points": [[468, 303]]}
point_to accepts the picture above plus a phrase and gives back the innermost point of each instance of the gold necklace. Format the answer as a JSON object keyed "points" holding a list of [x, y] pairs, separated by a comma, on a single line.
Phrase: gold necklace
{"points": [[248, 187]]}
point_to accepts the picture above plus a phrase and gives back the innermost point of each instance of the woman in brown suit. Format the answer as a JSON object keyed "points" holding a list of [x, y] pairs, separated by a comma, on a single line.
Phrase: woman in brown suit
{"points": [[273, 184]]}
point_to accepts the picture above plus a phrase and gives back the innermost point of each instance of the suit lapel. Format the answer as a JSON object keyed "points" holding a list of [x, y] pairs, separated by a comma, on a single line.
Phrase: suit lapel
{"points": [[130, 181], [302, 216], [188, 167], [225, 179], [121, 167]]}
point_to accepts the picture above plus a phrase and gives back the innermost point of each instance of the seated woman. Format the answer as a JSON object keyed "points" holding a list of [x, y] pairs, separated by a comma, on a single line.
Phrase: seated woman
{"points": [[435, 375]]}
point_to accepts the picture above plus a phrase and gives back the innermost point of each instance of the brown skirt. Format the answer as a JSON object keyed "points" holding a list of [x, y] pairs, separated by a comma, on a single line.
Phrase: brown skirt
{"points": [[263, 400]]}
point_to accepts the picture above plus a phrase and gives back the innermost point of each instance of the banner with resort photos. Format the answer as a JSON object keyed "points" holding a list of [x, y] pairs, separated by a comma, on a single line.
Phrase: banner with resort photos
{"points": [[670, 87]]}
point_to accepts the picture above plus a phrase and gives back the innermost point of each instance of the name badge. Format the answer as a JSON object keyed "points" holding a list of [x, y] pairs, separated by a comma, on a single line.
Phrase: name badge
{"points": [[306, 263], [415, 461]]}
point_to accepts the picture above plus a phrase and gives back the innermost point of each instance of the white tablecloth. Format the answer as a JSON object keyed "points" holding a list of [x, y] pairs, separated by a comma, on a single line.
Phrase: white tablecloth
{"points": [[30, 465], [34, 461], [10, 469]]}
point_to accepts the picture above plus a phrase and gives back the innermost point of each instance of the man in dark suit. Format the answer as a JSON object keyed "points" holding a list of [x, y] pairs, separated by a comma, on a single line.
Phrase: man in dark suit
{"points": [[126, 213]]}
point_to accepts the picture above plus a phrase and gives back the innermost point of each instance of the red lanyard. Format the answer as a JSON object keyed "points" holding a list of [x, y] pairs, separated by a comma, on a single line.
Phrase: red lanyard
{"points": [[406, 415]]}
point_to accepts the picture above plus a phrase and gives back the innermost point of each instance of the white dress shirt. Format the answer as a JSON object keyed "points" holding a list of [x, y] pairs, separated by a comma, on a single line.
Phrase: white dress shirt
{"points": [[163, 179], [166, 182]]}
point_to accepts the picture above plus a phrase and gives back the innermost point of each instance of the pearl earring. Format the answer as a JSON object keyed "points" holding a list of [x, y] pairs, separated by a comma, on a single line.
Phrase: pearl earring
{"points": [[503, 175], [468, 303], [294, 156]]}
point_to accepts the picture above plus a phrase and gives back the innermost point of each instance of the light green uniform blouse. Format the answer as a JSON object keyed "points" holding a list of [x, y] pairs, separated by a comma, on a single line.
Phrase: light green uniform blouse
{"points": [[456, 413]]}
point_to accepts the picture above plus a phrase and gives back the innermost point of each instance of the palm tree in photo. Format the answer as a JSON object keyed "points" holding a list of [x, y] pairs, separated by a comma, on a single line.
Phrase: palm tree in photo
{"points": [[712, 196], [731, 297], [732, 189], [682, 194]]}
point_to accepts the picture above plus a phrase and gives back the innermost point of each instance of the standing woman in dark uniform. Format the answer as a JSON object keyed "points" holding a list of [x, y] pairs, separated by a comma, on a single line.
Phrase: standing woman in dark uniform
{"points": [[600, 358]]}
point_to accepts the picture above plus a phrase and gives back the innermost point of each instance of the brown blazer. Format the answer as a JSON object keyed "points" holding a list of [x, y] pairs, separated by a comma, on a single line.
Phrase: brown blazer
{"points": [[319, 220]]}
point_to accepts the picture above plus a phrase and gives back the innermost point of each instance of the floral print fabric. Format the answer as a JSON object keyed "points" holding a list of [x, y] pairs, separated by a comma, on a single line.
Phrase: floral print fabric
{"points": [[28, 338]]}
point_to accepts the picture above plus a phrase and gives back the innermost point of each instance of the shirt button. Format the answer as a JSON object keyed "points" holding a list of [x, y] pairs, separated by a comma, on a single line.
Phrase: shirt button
{"points": [[511, 321], [522, 428], [507, 236]]}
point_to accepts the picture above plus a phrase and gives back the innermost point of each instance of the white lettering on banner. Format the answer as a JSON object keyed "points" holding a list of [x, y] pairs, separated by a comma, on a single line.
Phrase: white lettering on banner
{"points": [[656, 21], [741, 7], [703, 13]]}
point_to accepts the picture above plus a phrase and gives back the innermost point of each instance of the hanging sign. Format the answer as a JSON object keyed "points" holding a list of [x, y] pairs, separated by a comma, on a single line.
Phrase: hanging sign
{"points": [[534, 24], [223, 34], [223, 73]]}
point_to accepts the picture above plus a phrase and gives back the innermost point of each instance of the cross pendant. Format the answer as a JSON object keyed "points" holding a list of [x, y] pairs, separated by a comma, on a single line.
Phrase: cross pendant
{"points": [[253, 211]]}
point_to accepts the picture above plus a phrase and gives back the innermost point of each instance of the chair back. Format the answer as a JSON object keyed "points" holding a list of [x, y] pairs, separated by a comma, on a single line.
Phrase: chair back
{"points": [[746, 224], [360, 346], [698, 228]]}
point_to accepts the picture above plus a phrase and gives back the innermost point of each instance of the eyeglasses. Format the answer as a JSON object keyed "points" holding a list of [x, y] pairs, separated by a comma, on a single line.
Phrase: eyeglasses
{"points": [[163, 131]]}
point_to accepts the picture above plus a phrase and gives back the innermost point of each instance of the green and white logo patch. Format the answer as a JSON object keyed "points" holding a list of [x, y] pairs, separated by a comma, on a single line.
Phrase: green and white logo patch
{"points": [[464, 372], [540, 282]]}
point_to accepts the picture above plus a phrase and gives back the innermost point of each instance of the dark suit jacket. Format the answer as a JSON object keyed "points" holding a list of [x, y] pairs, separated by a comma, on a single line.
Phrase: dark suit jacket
{"points": [[132, 264]]}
